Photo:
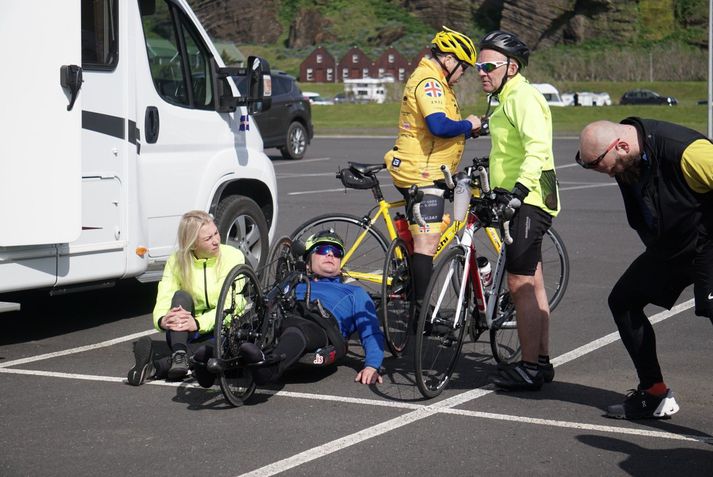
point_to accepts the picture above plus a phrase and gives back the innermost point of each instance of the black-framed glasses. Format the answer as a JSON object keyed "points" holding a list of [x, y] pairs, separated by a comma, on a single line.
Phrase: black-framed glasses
{"points": [[490, 66], [595, 162]]}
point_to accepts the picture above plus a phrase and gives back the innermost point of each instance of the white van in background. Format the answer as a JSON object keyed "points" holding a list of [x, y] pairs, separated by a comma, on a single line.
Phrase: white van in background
{"points": [[99, 161], [550, 93]]}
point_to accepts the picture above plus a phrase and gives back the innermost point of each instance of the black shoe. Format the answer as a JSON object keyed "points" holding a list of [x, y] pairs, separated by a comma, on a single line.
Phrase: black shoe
{"points": [[205, 378], [143, 369], [251, 353], [517, 378], [548, 372], [179, 366], [642, 405]]}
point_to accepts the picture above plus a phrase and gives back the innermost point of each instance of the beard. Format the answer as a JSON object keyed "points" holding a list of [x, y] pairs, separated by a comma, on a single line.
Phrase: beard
{"points": [[632, 170]]}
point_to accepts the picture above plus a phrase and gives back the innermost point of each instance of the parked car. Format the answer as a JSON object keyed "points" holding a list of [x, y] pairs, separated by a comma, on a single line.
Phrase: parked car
{"points": [[586, 98], [287, 125], [645, 96], [316, 99]]}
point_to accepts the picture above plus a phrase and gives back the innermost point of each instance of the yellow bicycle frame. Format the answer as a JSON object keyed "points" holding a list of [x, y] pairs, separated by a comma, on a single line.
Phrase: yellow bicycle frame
{"points": [[383, 211]]}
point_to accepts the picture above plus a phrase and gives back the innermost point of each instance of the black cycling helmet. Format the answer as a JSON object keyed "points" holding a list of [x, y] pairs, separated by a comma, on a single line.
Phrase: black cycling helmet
{"points": [[506, 43]]}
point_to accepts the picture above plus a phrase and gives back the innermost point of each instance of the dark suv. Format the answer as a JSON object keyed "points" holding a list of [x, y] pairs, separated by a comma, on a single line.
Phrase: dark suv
{"points": [[645, 96], [287, 125]]}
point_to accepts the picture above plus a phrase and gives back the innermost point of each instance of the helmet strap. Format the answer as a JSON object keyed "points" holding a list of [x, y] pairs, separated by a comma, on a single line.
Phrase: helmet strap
{"points": [[449, 74], [502, 83]]}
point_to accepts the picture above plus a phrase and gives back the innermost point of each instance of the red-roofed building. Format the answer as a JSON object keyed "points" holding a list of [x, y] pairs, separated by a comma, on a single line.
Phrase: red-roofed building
{"points": [[354, 65], [319, 67], [392, 64]]}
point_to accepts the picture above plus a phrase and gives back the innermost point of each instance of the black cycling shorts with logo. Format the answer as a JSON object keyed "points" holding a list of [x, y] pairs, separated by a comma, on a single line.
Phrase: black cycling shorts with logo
{"points": [[527, 227]]}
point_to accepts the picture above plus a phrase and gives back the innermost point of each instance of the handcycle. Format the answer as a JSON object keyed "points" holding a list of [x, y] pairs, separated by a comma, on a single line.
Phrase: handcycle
{"points": [[457, 299], [244, 313], [382, 265]]}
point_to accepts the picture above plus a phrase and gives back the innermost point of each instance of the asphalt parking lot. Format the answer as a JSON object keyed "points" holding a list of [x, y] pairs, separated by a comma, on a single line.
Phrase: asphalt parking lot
{"points": [[66, 410]]}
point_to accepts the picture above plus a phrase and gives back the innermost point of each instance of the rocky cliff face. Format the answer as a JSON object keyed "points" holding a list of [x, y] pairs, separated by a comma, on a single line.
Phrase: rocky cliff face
{"points": [[540, 23], [242, 21]]}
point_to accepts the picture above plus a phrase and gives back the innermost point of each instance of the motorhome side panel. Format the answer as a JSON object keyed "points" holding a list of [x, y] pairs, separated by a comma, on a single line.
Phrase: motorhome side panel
{"points": [[40, 188], [100, 252]]}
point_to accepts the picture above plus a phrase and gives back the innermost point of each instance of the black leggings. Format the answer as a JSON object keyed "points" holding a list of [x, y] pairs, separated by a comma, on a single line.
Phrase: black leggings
{"points": [[297, 337], [189, 341], [647, 280]]}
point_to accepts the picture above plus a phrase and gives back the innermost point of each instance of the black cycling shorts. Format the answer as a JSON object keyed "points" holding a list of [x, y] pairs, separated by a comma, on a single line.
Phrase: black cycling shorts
{"points": [[431, 208], [527, 228]]}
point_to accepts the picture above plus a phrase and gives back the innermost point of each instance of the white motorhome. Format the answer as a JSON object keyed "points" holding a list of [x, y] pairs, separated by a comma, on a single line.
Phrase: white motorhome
{"points": [[99, 161], [371, 90]]}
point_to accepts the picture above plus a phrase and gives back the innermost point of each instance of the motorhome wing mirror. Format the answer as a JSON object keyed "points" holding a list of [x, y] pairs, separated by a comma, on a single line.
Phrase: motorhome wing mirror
{"points": [[259, 95], [258, 91]]}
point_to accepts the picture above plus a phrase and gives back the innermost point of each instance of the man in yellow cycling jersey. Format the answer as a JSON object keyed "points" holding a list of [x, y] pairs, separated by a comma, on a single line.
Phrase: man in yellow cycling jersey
{"points": [[431, 133], [521, 161], [665, 174]]}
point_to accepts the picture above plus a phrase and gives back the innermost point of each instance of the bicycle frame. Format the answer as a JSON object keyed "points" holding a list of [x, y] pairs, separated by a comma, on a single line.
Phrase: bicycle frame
{"points": [[382, 211], [485, 300]]}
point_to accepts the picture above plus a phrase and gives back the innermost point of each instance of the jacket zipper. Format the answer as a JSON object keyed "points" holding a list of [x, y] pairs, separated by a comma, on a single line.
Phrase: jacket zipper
{"points": [[205, 284]]}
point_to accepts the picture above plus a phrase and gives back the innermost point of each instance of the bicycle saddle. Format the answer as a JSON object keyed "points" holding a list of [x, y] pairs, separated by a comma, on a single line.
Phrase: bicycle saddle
{"points": [[366, 168]]}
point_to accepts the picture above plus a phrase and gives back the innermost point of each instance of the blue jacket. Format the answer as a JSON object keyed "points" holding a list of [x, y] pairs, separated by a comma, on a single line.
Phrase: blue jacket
{"points": [[354, 311]]}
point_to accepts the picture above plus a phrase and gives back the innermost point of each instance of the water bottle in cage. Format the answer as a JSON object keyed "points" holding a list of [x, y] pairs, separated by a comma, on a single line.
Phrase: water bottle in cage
{"points": [[403, 231], [486, 275]]}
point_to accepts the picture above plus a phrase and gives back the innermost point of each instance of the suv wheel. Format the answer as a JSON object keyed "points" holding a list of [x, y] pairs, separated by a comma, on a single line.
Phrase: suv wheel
{"points": [[296, 143], [242, 225]]}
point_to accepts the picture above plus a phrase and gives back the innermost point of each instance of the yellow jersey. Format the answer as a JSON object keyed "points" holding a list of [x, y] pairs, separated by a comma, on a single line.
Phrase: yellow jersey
{"points": [[417, 156]]}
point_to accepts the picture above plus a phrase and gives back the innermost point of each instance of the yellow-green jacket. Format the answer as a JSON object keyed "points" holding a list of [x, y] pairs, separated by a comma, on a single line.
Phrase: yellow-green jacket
{"points": [[208, 276], [521, 132]]}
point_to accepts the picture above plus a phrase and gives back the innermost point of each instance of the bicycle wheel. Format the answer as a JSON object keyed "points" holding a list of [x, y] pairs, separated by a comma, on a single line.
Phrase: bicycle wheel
{"points": [[555, 262], [438, 339], [396, 297], [238, 318], [555, 267], [504, 340], [280, 262], [366, 262]]}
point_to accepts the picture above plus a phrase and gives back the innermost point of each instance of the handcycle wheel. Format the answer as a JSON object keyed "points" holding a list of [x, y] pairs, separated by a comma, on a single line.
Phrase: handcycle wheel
{"points": [[238, 318], [367, 258], [280, 262], [438, 340], [397, 305]]}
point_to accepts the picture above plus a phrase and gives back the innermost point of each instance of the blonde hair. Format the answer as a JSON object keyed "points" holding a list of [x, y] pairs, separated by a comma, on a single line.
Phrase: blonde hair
{"points": [[188, 230]]}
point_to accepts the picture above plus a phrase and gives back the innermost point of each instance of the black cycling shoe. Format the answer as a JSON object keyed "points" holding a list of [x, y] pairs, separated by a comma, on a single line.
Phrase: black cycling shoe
{"points": [[516, 378], [251, 353], [548, 372], [179, 366], [143, 369]]}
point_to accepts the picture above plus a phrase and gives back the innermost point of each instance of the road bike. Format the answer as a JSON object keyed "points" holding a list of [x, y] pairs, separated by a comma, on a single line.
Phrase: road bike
{"points": [[373, 252], [458, 299]]}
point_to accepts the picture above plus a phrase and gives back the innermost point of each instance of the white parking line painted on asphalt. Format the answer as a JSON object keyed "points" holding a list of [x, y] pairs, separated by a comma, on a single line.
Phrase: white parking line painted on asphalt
{"points": [[590, 186], [582, 426], [300, 161], [80, 349], [341, 189]]}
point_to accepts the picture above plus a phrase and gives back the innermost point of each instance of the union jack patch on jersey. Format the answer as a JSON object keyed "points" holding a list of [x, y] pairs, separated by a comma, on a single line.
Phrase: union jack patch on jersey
{"points": [[433, 89]]}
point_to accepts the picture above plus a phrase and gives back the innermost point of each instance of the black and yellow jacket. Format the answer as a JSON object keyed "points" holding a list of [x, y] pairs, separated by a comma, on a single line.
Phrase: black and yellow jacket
{"points": [[671, 204]]}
